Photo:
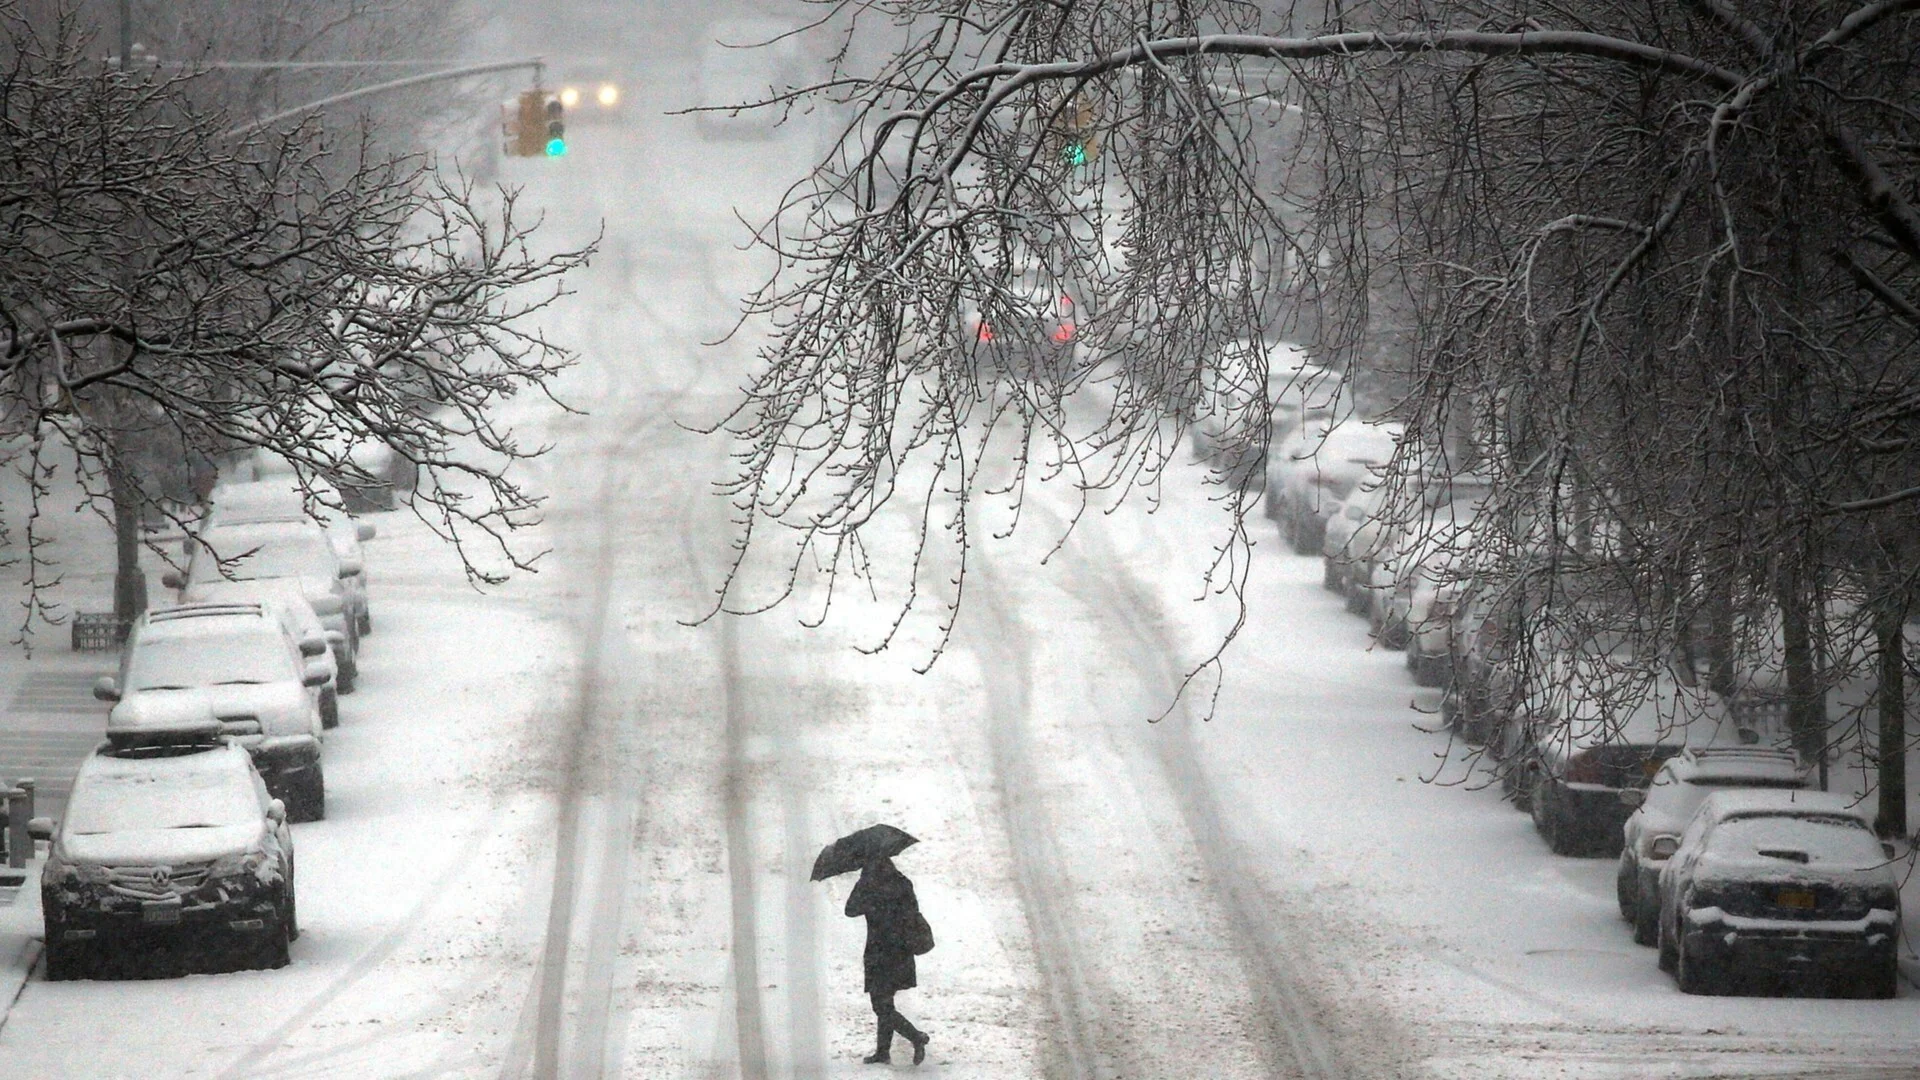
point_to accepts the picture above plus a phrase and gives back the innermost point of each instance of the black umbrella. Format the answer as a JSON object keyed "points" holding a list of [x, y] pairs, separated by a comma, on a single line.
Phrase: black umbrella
{"points": [[857, 849]]}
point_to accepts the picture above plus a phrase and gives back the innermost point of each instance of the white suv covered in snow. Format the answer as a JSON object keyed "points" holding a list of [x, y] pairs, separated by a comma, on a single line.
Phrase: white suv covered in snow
{"points": [[236, 664], [167, 836], [298, 551], [283, 498]]}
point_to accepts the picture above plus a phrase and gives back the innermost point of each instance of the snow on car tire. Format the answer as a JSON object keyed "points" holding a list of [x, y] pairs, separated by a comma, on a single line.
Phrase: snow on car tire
{"points": [[306, 797], [271, 950], [1697, 976], [1646, 924], [67, 961]]}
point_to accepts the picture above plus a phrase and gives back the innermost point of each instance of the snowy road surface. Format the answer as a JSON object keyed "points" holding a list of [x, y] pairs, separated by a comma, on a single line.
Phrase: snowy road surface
{"points": [[569, 833]]}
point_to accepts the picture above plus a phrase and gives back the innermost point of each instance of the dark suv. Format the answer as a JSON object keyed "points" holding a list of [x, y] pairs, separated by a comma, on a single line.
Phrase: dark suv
{"points": [[168, 837]]}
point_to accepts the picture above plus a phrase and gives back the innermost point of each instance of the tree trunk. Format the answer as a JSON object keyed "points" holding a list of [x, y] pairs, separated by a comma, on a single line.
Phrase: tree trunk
{"points": [[129, 581], [1892, 748], [1720, 638], [1806, 699]]}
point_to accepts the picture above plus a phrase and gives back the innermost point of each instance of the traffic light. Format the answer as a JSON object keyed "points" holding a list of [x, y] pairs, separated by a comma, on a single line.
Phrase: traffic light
{"points": [[534, 125], [556, 128], [1078, 133]]}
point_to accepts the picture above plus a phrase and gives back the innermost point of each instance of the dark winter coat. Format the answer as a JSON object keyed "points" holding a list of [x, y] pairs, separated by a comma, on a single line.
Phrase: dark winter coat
{"points": [[885, 896]]}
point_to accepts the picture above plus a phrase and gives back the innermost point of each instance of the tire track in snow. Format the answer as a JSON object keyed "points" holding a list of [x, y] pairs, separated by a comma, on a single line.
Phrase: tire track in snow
{"points": [[580, 1049], [1296, 1044], [748, 1016], [1075, 1048]]}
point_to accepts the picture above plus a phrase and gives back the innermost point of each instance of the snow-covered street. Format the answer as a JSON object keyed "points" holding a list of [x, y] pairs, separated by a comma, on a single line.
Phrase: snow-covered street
{"points": [[571, 819]]}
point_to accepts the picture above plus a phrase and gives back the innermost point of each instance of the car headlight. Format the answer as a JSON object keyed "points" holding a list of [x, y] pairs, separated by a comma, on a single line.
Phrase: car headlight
{"points": [[247, 864], [71, 879]]}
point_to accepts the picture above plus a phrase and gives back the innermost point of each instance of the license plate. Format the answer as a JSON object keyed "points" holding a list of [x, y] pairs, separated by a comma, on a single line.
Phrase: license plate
{"points": [[1798, 899], [161, 912]]}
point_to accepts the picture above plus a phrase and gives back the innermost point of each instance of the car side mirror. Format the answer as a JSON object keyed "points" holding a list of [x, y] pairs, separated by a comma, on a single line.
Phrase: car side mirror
{"points": [[106, 688], [1632, 796], [350, 568], [315, 676], [1663, 847], [1886, 846], [40, 828], [313, 646], [365, 531], [172, 579], [335, 637], [276, 811]]}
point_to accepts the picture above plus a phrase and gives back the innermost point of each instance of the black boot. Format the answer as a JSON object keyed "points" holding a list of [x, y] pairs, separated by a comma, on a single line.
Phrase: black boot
{"points": [[917, 1037], [882, 1047]]}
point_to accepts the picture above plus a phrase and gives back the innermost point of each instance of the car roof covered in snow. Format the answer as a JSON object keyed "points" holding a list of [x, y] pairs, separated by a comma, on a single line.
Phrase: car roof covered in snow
{"points": [[216, 619], [1783, 802], [1733, 764]]}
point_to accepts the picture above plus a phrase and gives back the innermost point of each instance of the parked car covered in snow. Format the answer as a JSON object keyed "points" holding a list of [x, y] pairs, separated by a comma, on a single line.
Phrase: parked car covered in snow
{"points": [[167, 835], [1349, 527], [1238, 380], [287, 602], [1790, 883], [1586, 739], [235, 664], [283, 498], [1312, 470], [1670, 802], [299, 551]]}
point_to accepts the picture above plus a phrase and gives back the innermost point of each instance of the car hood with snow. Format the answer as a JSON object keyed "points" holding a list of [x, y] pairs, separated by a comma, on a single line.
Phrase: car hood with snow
{"points": [[281, 708], [184, 844]]}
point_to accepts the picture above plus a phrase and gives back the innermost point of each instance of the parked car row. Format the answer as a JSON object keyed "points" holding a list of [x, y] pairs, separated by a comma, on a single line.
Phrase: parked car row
{"points": [[1742, 876], [176, 839], [1248, 379]]}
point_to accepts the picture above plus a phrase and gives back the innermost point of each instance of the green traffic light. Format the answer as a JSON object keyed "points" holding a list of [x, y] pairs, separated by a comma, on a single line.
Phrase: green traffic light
{"points": [[556, 147]]}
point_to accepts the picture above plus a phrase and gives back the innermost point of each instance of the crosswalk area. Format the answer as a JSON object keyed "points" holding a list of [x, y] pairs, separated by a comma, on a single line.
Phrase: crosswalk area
{"points": [[51, 723]]}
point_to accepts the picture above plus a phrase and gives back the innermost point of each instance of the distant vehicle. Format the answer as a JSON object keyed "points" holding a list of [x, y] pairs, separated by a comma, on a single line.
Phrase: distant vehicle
{"points": [[745, 62], [592, 91], [173, 836], [1312, 470], [1670, 802], [234, 664], [373, 476], [1030, 326], [1583, 735], [1426, 577], [1792, 884], [1481, 686], [282, 499], [299, 551]]}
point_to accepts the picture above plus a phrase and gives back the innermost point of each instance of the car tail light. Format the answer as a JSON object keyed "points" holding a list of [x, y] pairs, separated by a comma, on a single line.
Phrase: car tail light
{"points": [[1063, 333]]}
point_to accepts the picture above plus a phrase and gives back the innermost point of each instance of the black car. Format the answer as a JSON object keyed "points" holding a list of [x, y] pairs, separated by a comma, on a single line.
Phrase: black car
{"points": [[1780, 889]]}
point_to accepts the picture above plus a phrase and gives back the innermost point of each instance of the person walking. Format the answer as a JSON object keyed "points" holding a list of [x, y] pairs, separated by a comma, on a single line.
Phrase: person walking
{"points": [[896, 931]]}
